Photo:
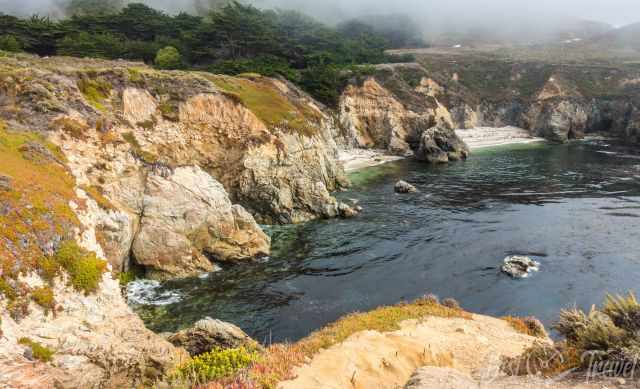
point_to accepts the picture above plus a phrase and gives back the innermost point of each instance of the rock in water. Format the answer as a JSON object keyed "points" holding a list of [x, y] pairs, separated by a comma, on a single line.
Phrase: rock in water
{"points": [[404, 187], [208, 334], [441, 145], [519, 266]]}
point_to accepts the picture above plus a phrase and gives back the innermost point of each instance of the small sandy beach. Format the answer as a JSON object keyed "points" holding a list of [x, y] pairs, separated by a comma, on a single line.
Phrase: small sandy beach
{"points": [[481, 137], [356, 159]]}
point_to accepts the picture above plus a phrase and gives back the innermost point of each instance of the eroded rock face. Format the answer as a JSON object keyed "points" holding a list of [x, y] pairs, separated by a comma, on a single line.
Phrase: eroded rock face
{"points": [[207, 334], [98, 342], [276, 165], [441, 145], [385, 112], [187, 214]]}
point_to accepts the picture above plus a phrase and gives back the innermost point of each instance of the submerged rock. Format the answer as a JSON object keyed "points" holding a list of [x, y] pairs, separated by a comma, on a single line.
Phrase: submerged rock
{"points": [[347, 211], [404, 187], [519, 266], [208, 334]]}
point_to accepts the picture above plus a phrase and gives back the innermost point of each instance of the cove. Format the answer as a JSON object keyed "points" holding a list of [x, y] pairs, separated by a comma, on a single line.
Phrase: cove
{"points": [[575, 208]]}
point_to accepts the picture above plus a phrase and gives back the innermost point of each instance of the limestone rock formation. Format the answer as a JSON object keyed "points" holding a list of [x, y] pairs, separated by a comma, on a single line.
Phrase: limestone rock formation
{"points": [[96, 339], [441, 145], [207, 334], [187, 214], [265, 143], [385, 112]]}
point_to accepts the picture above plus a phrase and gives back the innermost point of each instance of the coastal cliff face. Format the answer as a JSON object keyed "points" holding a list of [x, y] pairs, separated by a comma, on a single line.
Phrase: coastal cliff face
{"points": [[108, 165], [181, 164], [388, 112], [555, 101], [391, 109]]}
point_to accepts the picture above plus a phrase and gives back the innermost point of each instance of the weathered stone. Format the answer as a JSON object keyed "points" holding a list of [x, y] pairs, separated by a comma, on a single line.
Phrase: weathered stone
{"points": [[519, 266], [441, 145], [404, 187], [186, 214], [208, 334], [347, 211]]}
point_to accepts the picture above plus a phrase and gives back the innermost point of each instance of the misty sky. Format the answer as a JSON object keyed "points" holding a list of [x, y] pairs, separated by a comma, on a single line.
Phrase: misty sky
{"points": [[617, 12]]}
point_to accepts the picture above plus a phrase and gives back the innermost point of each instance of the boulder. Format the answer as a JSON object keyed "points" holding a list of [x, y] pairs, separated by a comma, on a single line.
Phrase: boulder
{"points": [[519, 266], [441, 145], [208, 334], [404, 187], [347, 211], [187, 214]]}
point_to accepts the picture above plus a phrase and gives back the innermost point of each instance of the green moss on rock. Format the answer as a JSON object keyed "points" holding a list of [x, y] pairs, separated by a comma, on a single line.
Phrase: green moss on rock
{"points": [[38, 351]]}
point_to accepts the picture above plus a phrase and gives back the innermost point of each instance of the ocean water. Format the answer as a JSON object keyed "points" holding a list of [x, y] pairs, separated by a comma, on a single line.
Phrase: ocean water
{"points": [[574, 208]]}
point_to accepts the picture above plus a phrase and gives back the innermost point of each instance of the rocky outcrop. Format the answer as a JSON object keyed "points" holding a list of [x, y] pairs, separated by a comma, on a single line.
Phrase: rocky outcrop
{"points": [[441, 145], [518, 266], [386, 112], [207, 334], [186, 214], [181, 164], [97, 341]]}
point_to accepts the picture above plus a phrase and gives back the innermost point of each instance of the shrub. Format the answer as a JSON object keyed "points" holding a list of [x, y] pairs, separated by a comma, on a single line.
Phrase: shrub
{"points": [[542, 358], [126, 277], [169, 58], [43, 296], [10, 43], [451, 303], [527, 325], [39, 351], [84, 268], [217, 363]]}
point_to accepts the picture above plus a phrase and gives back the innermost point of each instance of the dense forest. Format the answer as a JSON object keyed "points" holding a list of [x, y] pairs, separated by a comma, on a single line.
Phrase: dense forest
{"points": [[231, 39]]}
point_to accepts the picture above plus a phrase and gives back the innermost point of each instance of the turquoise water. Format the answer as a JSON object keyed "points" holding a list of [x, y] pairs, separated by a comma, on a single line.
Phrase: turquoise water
{"points": [[574, 208]]}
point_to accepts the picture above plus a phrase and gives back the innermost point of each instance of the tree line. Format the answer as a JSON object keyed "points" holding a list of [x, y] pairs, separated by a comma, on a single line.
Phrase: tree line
{"points": [[231, 39]]}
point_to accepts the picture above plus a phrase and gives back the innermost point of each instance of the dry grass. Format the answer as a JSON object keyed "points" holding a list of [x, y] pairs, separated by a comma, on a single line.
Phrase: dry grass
{"points": [[96, 193], [279, 360], [545, 359], [527, 325], [269, 104]]}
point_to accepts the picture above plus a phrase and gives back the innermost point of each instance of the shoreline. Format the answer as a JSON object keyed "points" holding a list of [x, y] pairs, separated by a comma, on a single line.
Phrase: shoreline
{"points": [[485, 137], [476, 138]]}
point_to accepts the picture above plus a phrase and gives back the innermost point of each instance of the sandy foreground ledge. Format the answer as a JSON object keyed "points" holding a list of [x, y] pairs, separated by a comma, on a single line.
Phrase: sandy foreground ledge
{"points": [[475, 138]]}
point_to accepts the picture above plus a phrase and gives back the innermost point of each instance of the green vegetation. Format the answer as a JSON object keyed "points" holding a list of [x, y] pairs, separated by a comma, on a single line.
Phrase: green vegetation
{"points": [[126, 277], [38, 351], [96, 91], [276, 363], [269, 104], [229, 38], [217, 364], [43, 296], [143, 155], [169, 58], [10, 43], [36, 195], [84, 268], [95, 192], [602, 339]]}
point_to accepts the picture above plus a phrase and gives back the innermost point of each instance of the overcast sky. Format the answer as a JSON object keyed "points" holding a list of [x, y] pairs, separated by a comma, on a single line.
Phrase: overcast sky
{"points": [[617, 12]]}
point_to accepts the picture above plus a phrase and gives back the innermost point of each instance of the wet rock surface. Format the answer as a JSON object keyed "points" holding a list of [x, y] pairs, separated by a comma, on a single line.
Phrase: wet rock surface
{"points": [[518, 266], [404, 187]]}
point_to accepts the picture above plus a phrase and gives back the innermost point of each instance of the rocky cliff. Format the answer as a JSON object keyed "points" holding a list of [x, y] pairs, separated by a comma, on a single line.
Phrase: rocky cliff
{"points": [[384, 111], [393, 107], [181, 164], [108, 165]]}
